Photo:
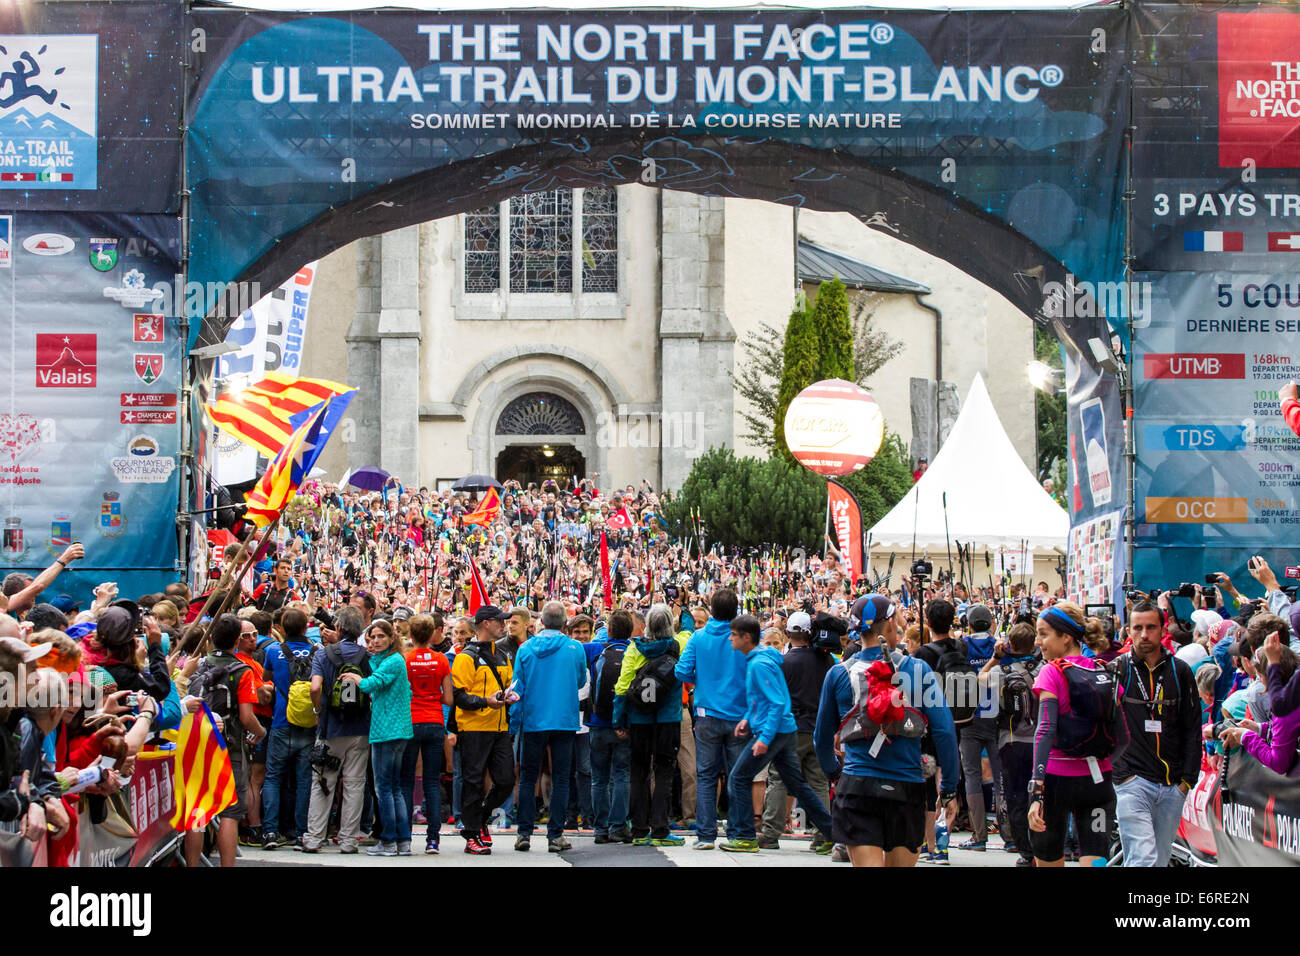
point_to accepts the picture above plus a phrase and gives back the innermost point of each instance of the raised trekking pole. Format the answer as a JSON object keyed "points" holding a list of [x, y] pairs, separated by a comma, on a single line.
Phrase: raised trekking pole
{"points": [[946, 539]]}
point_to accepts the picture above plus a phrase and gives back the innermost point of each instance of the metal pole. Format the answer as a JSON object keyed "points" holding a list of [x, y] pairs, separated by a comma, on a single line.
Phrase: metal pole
{"points": [[1125, 374], [188, 479]]}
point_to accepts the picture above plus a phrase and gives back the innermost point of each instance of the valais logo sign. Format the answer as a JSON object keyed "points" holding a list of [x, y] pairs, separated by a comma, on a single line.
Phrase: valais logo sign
{"points": [[65, 360]]}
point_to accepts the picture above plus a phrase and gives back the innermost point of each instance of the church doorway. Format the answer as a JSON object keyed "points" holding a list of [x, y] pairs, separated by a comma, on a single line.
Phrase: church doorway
{"points": [[563, 464], [541, 435]]}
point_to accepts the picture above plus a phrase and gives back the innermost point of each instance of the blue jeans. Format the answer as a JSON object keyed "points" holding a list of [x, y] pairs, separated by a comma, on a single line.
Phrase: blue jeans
{"points": [[288, 746], [427, 743], [580, 780], [533, 746], [390, 802], [783, 755], [716, 749], [610, 778], [1148, 816]]}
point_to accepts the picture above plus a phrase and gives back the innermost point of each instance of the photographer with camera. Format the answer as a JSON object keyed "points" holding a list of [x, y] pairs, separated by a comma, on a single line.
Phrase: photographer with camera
{"points": [[342, 751]]}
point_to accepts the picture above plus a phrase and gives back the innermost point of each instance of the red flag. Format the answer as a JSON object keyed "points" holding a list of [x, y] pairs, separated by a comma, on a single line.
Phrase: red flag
{"points": [[604, 572], [487, 510], [478, 592], [620, 519], [846, 517]]}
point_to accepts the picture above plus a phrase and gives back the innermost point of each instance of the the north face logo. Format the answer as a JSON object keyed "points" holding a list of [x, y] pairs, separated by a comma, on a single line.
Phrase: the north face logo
{"points": [[1259, 89]]}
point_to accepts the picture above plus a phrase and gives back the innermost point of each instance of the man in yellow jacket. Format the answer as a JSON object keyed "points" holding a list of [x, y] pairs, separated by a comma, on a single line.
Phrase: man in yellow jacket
{"points": [[480, 677]]}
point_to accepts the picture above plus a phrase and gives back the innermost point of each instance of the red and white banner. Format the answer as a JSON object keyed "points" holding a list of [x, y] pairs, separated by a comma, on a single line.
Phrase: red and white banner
{"points": [[846, 517]]}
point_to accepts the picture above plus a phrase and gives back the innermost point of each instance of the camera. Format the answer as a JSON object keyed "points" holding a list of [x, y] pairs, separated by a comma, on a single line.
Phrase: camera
{"points": [[132, 701], [1187, 590], [1135, 595], [921, 568], [670, 592], [322, 760]]}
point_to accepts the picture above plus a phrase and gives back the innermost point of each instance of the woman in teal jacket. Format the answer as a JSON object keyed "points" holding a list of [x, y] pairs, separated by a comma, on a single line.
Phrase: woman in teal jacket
{"points": [[390, 729]]}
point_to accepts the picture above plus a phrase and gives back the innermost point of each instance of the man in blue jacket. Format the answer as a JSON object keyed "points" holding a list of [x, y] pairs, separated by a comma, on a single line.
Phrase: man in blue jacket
{"points": [[879, 807], [718, 672], [769, 724], [550, 674]]}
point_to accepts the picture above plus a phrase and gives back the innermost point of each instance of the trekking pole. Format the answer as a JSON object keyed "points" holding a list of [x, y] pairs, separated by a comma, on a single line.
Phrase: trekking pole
{"points": [[946, 539]]}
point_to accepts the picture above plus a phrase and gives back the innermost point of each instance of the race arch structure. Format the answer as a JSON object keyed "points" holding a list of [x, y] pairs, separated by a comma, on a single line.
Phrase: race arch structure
{"points": [[1126, 172]]}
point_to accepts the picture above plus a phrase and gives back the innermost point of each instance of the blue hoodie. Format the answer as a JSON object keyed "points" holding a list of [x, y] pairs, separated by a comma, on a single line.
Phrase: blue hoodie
{"points": [[900, 758], [550, 670], [717, 670], [595, 664], [767, 695]]}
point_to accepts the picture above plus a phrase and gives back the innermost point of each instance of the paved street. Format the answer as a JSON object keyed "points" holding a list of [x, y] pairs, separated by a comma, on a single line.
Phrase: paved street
{"points": [[793, 852]]}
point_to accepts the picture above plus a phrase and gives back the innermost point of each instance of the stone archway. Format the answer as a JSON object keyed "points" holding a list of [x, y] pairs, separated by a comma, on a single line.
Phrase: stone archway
{"points": [[538, 413]]}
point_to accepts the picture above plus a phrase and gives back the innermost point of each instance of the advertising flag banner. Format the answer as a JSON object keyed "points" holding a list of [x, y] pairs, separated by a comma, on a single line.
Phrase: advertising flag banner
{"points": [[846, 518]]}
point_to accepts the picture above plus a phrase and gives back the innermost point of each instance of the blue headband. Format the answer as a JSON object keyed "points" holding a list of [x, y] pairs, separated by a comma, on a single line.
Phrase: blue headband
{"points": [[1063, 622]]}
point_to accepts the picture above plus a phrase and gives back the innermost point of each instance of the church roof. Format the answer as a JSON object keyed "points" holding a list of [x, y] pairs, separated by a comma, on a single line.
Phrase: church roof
{"points": [[817, 264]]}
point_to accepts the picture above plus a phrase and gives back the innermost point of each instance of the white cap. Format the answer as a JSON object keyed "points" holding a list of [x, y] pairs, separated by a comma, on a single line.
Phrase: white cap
{"points": [[799, 621]]}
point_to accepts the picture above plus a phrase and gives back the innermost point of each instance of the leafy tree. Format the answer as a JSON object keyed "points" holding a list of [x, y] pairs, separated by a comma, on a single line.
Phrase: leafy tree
{"points": [[748, 502], [1050, 410], [799, 362], [834, 332], [757, 383]]}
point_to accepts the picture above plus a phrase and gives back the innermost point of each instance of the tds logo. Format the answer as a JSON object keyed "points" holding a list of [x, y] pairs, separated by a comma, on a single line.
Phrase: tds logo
{"points": [[65, 360]]}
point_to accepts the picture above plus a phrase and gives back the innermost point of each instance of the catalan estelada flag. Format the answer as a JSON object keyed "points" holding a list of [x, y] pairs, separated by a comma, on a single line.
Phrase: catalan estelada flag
{"points": [[261, 414], [487, 510], [205, 782], [295, 460]]}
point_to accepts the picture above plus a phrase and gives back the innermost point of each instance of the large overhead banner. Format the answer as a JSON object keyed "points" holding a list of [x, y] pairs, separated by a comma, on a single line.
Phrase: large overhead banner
{"points": [[941, 129]]}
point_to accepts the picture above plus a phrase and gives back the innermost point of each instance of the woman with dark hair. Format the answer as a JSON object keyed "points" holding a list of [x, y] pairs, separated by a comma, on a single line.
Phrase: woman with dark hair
{"points": [[1075, 739], [135, 663], [1273, 742]]}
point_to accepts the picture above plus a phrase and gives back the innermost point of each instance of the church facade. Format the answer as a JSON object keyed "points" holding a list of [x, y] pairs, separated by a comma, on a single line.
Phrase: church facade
{"points": [[594, 333]]}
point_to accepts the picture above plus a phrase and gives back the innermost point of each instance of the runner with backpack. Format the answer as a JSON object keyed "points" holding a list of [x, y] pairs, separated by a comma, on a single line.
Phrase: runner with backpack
{"points": [[610, 754], [1080, 728], [293, 726], [1010, 673], [648, 713], [875, 707]]}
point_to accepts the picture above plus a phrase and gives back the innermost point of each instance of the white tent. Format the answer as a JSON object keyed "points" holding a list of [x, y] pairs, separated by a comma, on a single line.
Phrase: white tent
{"points": [[993, 499]]}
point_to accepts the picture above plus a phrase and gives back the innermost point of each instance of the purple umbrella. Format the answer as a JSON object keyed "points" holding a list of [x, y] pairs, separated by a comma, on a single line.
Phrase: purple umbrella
{"points": [[369, 478]]}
